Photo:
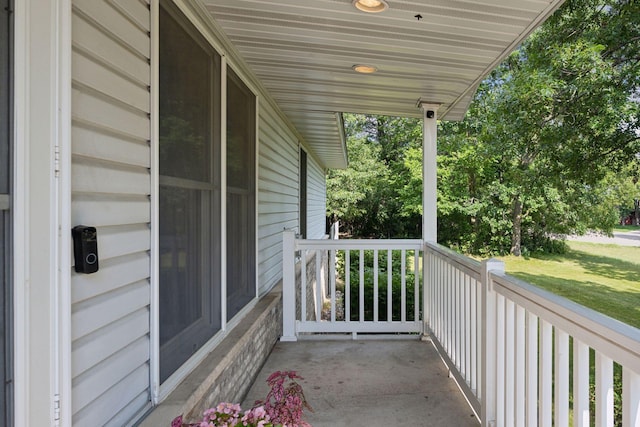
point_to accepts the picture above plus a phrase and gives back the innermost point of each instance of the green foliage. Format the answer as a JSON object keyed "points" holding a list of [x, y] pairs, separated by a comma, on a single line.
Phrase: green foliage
{"points": [[365, 197], [548, 146]]}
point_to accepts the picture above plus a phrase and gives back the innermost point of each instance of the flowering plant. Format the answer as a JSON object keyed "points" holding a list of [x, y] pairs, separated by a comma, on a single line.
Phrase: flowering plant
{"points": [[285, 402], [283, 407]]}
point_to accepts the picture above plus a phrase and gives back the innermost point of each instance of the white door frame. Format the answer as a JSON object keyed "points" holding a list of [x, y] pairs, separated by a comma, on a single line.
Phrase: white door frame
{"points": [[42, 176]]}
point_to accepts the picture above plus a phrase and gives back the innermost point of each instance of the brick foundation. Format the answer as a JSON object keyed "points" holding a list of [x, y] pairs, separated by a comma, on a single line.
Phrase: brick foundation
{"points": [[230, 369]]}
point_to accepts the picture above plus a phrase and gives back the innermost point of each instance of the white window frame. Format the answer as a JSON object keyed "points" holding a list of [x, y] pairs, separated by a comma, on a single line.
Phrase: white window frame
{"points": [[197, 16]]}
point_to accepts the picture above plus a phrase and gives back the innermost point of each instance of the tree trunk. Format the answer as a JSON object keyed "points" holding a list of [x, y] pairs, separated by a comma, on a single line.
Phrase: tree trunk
{"points": [[636, 205], [516, 232]]}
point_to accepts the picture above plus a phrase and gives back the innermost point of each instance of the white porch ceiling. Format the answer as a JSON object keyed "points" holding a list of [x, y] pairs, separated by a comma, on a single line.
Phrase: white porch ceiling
{"points": [[302, 51]]}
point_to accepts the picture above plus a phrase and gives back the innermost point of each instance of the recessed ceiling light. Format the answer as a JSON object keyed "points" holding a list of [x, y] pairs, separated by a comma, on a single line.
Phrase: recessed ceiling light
{"points": [[372, 6], [364, 69]]}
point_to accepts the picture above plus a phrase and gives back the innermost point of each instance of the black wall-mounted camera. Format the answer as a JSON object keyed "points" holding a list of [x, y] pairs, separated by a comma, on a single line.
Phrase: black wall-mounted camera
{"points": [[85, 248], [430, 114]]}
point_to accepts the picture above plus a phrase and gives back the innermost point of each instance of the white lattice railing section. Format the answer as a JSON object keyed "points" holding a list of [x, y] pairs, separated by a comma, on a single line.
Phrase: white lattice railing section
{"points": [[379, 283]]}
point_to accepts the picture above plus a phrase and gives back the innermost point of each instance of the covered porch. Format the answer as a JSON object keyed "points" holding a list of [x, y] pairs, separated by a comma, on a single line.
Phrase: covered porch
{"points": [[519, 355], [379, 382]]}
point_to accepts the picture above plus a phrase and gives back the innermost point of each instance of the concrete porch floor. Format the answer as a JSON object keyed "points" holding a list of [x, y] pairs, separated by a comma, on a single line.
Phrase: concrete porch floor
{"points": [[369, 383]]}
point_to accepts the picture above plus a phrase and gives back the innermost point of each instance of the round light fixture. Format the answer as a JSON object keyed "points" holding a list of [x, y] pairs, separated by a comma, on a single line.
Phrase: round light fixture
{"points": [[372, 6], [364, 69]]}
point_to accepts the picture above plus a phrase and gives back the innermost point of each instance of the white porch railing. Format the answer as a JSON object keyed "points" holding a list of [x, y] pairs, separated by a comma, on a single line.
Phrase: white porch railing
{"points": [[521, 355], [524, 356], [382, 280]]}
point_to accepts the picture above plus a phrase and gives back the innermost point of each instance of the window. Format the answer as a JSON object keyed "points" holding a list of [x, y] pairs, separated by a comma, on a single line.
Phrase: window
{"points": [[303, 194], [6, 316], [189, 199], [241, 154]]}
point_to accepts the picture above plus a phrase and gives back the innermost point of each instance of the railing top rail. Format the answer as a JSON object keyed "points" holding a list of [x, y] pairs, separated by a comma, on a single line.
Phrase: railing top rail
{"points": [[381, 244], [461, 262], [612, 338]]}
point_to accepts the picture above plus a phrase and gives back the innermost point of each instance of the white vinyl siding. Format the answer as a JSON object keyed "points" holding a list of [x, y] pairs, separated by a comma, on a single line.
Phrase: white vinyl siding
{"points": [[277, 193], [110, 190], [316, 196]]}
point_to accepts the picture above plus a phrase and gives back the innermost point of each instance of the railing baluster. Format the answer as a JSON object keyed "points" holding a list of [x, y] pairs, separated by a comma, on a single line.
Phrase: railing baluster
{"points": [[319, 286], [347, 285], [447, 308], [416, 286], [520, 378], [389, 285], [604, 391], [473, 336], [303, 284], [375, 285], [332, 273], [481, 324], [361, 287], [467, 329], [532, 370], [461, 316], [452, 312], [630, 398], [509, 365], [443, 304], [546, 374], [561, 378], [455, 288], [403, 286], [500, 359], [439, 300], [580, 384]]}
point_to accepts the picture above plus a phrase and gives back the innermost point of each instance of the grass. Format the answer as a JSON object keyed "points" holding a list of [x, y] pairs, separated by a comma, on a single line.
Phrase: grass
{"points": [[626, 227], [605, 278]]}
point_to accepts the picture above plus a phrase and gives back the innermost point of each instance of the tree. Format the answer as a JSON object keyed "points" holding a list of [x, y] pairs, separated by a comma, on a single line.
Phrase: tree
{"points": [[548, 134], [351, 192], [365, 197], [552, 120]]}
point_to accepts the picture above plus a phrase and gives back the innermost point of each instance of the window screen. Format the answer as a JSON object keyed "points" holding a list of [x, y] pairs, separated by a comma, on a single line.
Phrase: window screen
{"points": [[303, 194], [241, 118], [6, 317], [189, 199]]}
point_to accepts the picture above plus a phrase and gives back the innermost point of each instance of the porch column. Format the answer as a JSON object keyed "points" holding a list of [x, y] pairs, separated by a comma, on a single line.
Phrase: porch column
{"points": [[289, 286], [429, 171]]}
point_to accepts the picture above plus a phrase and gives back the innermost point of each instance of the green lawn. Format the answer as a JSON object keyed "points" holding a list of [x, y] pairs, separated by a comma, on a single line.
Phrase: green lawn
{"points": [[626, 227], [605, 278]]}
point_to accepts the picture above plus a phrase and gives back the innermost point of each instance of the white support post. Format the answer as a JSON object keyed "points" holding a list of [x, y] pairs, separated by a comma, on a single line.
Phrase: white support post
{"points": [[429, 170], [288, 287], [489, 341], [429, 192]]}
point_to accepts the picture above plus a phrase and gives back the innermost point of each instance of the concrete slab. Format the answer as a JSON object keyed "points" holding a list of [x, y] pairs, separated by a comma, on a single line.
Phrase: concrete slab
{"points": [[370, 383]]}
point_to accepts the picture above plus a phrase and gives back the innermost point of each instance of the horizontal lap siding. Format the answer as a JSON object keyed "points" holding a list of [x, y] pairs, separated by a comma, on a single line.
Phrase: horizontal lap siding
{"points": [[277, 193], [316, 196], [110, 190]]}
